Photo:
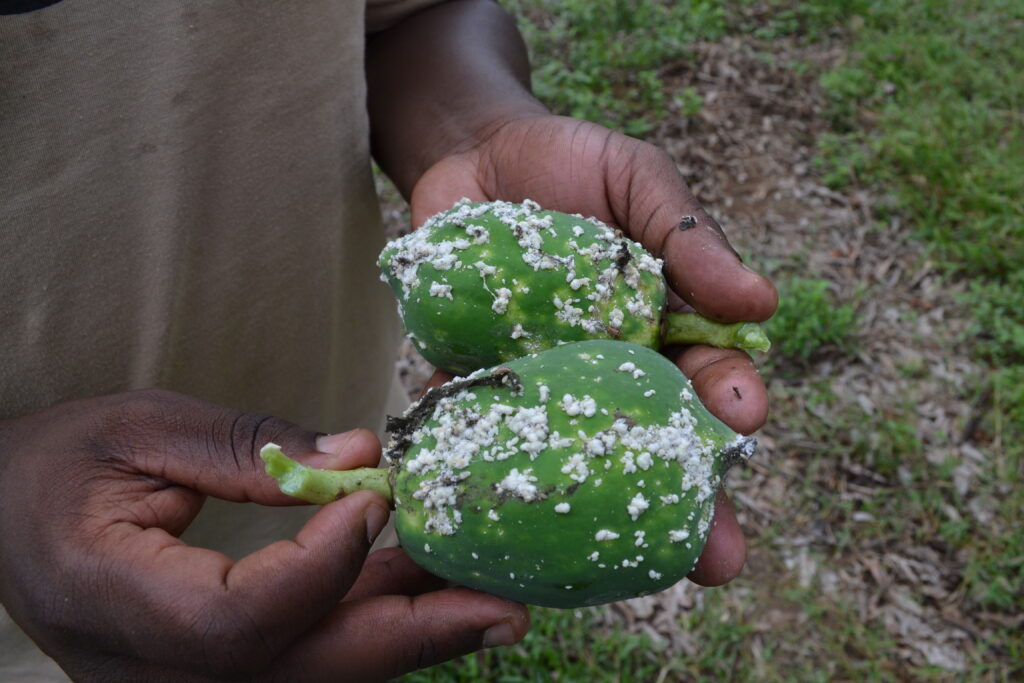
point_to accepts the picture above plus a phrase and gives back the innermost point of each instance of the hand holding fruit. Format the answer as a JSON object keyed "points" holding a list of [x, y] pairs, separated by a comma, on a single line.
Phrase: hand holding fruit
{"points": [[578, 167], [93, 497], [578, 475]]}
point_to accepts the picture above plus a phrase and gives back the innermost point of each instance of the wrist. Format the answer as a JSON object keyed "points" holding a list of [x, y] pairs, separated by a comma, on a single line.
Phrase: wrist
{"points": [[442, 81]]}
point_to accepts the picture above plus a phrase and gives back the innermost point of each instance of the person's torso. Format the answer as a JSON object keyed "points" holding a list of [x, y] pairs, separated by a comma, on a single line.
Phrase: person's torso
{"points": [[186, 202]]}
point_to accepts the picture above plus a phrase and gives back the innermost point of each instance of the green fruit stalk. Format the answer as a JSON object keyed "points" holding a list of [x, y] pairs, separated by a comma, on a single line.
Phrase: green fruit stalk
{"points": [[580, 475], [483, 283]]}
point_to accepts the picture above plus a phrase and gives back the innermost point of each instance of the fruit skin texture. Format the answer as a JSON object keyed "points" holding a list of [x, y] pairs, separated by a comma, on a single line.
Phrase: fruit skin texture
{"points": [[481, 284], [588, 477]]}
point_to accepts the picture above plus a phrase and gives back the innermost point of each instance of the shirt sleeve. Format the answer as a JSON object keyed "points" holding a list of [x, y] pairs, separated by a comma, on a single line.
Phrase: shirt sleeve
{"points": [[382, 14]]}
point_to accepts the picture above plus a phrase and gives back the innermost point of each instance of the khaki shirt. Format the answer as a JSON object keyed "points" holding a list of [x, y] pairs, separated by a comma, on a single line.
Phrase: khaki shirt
{"points": [[186, 202]]}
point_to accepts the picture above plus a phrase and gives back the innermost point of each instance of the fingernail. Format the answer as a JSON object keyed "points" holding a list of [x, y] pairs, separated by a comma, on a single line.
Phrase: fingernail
{"points": [[376, 518], [499, 635], [332, 443]]}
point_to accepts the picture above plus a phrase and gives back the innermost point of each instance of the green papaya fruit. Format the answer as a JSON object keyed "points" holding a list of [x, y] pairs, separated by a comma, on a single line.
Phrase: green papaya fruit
{"points": [[580, 475], [483, 283]]}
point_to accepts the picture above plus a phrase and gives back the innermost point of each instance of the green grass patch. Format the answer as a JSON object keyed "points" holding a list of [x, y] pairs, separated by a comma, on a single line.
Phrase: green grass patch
{"points": [[562, 645], [939, 84], [807, 21], [928, 109], [602, 60], [810, 317]]}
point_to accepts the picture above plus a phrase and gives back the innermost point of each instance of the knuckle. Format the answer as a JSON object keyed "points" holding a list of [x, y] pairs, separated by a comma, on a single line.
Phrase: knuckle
{"points": [[246, 433]]}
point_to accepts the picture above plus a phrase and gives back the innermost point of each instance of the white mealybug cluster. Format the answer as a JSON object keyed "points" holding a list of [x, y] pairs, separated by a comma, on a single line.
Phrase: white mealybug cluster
{"points": [[530, 426], [637, 506], [678, 535], [501, 299], [440, 290], [605, 535], [521, 485], [462, 431], [530, 227], [573, 406]]}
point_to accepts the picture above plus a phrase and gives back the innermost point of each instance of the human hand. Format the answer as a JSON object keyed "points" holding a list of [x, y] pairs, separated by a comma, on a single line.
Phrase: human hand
{"points": [[578, 167], [93, 497]]}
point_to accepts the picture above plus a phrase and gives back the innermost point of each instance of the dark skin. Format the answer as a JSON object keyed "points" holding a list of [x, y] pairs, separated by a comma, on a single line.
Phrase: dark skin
{"points": [[91, 565]]}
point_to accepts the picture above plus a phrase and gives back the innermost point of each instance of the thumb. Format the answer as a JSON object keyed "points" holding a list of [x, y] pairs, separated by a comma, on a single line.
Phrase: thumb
{"points": [[659, 210], [703, 269]]}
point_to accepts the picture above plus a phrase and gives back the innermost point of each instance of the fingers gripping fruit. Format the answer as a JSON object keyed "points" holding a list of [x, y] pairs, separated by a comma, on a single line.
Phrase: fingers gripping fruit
{"points": [[577, 476], [481, 284]]}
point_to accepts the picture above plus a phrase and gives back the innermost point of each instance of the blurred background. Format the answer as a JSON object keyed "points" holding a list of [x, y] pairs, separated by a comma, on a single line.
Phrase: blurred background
{"points": [[869, 157]]}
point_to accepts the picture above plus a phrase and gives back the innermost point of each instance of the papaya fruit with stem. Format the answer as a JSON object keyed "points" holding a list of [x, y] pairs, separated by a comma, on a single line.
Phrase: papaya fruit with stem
{"points": [[578, 475], [483, 283]]}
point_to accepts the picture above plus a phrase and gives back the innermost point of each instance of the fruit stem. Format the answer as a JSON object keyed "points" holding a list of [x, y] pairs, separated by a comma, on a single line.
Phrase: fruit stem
{"points": [[693, 328], [738, 450], [322, 486]]}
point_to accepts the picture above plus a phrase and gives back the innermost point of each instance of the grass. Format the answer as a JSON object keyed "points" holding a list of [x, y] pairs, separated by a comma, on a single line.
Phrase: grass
{"points": [[561, 646], [938, 81], [925, 110], [810, 318], [602, 61]]}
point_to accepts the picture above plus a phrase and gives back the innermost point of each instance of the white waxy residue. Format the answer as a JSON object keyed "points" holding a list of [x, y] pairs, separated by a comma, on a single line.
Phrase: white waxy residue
{"points": [[678, 535], [522, 485], [637, 506], [501, 299], [439, 290]]}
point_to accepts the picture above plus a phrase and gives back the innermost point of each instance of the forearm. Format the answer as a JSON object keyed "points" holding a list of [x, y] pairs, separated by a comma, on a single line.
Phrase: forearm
{"points": [[439, 81]]}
